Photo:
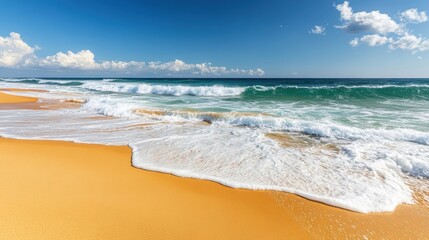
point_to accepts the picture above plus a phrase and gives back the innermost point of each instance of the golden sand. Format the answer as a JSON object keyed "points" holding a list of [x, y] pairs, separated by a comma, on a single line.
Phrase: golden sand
{"points": [[21, 90], [62, 190], [9, 101], [8, 98]]}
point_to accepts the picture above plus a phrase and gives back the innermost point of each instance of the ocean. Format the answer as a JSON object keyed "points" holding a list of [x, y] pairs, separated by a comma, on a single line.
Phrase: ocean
{"points": [[358, 144]]}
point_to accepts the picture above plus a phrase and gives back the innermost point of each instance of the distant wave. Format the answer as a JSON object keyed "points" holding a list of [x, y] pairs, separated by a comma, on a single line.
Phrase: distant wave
{"points": [[61, 82], [172, 90], [111, 79], [281, 92], [21, 80], [255, 92], [414, 91], [43, 81]]}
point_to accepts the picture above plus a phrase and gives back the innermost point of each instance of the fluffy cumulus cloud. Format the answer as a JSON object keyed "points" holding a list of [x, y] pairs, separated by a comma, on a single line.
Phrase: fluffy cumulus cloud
{"points": [[371, 40], [15, 53], [375, 40], [80, 60], [414, 16], [318, 30], [385, 30], [13, 50], [373, 21], [354, 42], [410, 42]]}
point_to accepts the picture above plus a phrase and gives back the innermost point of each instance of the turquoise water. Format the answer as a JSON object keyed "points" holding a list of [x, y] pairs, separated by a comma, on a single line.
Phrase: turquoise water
{"points": [[355, 102], [360, 144]]}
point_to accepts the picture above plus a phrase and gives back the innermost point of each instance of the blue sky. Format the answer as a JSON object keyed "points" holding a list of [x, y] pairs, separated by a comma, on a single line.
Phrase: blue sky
{"points": [[215, 38]]}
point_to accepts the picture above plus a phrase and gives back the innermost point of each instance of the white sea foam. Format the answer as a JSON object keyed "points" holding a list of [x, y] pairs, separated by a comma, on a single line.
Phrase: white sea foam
{"points": [[44, 81], [110, 107], [173, 90], [110, 79], [327, 129], [117, 108]]}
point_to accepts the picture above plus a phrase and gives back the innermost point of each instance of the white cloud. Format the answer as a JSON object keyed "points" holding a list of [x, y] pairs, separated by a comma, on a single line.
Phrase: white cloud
{"points": [[385, 29], [373, 21], [345, 10], [120, 65], [80, 60], [413, 16], [318, 30], [375, 40], [256, 72], [410, 42], [371, 40], [354, 42], [197, 69], [14, 52]]}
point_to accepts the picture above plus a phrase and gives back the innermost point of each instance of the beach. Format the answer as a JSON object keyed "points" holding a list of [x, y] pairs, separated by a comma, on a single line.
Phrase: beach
{"points": [[64, 190], [231, 120]]}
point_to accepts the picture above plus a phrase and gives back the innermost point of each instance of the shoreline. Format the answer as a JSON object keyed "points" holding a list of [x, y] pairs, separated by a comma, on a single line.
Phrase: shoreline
{"points": [[72, 191]]}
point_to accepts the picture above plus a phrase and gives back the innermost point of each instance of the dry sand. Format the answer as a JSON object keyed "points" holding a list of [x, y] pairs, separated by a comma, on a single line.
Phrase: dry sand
{"points": [[8, 98], [63, 190]]}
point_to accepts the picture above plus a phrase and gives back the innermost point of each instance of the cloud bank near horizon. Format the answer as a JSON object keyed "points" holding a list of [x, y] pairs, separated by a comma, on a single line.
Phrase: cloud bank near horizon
{"points": [[17, 54]]}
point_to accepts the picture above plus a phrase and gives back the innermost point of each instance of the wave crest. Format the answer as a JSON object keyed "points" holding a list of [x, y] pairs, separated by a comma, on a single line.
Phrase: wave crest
{"points": [[172, 90]]}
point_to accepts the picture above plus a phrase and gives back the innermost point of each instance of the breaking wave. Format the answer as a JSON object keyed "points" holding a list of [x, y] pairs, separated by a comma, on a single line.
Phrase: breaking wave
{"points": [[172, 90]]}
